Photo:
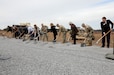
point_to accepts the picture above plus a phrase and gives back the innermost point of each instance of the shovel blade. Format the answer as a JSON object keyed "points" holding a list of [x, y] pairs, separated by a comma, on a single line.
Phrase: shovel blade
{"points": [[83, 45]]}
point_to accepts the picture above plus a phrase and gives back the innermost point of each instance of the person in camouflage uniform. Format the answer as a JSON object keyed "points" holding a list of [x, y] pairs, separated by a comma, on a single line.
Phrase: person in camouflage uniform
{"points": [[88, 35], [44, 30], [62, 30]]}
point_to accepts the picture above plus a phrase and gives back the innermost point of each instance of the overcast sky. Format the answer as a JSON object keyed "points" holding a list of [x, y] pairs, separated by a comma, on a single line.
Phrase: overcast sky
{"points": [[56, 11]]}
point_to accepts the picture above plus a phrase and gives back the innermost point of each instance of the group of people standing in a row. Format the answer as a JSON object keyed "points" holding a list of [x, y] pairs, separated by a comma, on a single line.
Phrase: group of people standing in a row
{"points": [[41, 34], [29, 32]]}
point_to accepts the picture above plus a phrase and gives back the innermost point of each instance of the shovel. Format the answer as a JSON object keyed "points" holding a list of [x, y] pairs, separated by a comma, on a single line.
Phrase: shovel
{"points": [[103, 37], [68, 41], [83, 44]]}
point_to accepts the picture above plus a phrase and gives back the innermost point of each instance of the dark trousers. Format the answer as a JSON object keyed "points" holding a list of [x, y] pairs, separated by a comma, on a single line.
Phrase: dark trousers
{"points": [[108, 40], [17, 34], [74, 38], [54, 35]]}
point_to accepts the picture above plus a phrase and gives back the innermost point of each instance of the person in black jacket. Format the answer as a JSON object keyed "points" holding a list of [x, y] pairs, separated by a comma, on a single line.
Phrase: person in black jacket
{"points": [[53, 29], [105, 26], [74, 31], [9, 29]]}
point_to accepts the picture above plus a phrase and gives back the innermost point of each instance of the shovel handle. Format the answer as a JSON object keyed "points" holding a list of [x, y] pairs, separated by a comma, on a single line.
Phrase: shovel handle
{"points": [[103, 36]]}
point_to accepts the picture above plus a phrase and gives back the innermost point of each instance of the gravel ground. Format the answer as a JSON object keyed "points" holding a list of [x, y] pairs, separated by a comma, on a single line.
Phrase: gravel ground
{"points": [[46, 58]]}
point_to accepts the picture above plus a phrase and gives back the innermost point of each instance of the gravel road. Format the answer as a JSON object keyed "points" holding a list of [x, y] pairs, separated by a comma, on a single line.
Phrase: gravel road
{"points": [[47, 58]]}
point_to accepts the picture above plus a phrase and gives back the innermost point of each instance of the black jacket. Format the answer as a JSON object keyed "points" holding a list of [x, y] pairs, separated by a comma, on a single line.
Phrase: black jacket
{"points": [[106, 26], [53, 29], [74, 30]]}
